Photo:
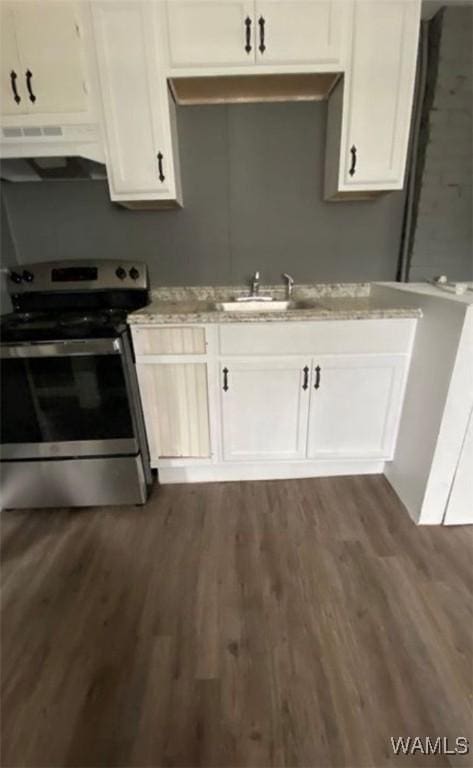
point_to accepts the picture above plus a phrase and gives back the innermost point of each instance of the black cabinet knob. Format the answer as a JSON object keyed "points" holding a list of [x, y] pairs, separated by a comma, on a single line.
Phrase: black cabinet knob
{"points": [[121, 273], [15, 277], [27, 276], [134, 274]]}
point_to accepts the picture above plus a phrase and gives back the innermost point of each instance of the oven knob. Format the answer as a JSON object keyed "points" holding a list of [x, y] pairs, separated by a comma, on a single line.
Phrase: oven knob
{"points": [[28, 276], [120, 272], [134, 274], [15, 277]]}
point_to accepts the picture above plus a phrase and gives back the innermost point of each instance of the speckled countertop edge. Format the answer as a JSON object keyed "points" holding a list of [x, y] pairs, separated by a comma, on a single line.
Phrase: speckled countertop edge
{"points": [[340, 301]]}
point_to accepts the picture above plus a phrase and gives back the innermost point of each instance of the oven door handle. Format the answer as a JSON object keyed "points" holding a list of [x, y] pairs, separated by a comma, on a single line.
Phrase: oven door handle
{"points": [[62, 348]]}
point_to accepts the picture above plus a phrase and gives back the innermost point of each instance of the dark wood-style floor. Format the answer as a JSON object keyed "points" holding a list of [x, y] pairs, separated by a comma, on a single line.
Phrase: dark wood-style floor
{"points": [[289, 623]]}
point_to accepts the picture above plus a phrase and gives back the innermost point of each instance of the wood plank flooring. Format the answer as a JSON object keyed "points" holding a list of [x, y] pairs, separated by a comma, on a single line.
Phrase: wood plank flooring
{"points": [[282, 623]]}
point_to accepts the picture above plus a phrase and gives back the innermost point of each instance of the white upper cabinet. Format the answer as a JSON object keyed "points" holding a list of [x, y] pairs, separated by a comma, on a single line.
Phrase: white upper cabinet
{"points": [[299, 32], [264, 408], [13, 92], [42, 59], [210, 33], [370, 112], [137, 110], [48, 37], [222, 34], [381, 90], [355, 406]]}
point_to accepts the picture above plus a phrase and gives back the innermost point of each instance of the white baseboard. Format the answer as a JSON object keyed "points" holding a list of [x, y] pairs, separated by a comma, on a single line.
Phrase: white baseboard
{"points": [[215, 473]]}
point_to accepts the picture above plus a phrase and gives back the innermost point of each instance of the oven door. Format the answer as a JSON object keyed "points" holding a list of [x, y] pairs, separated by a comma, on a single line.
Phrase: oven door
{"points": [[65, 399]]}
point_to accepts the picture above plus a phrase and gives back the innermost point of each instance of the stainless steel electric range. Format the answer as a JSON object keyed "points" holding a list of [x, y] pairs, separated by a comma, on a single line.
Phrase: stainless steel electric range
{"points": [[72, 430]]}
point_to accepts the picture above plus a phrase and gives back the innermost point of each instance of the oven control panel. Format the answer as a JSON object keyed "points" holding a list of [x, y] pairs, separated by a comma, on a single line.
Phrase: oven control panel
{"points": [[87, 275]]}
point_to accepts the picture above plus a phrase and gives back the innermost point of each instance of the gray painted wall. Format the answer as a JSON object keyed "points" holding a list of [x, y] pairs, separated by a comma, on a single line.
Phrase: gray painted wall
{"points": [[252, 178], [443, 236]]}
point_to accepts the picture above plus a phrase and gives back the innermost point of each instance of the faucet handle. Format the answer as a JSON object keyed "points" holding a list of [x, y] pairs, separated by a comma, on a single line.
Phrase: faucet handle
{"points": [[290, 282]]}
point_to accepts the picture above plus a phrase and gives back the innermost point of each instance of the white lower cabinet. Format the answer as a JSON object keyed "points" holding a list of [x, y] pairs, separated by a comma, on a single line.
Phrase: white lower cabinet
{"points": [[264, 408], [331, 407], [233, 402], [355, 405]]}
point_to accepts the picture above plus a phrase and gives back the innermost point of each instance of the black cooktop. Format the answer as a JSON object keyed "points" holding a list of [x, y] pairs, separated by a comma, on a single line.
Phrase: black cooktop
{"points": [[56, 326]]}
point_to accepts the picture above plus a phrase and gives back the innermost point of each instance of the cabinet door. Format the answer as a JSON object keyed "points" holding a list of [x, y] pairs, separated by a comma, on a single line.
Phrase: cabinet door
{"points": [[137, 117], [264, 409], [209, 33], [299, 32], [378, 100], [48, 36], [13, 91], [355, 406], [175, 407]]}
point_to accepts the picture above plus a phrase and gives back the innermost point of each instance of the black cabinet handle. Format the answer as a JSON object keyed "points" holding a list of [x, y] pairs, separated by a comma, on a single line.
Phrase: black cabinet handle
{"points": [[353, 161], [317, 377], [161, 175], [248, 34], [13, 77], [225, 379], [29, 77], [261, 22], [306, 377]]}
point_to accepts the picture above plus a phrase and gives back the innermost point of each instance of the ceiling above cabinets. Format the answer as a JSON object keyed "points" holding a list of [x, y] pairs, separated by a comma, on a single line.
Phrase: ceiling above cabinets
{"points": [[126, 62]]}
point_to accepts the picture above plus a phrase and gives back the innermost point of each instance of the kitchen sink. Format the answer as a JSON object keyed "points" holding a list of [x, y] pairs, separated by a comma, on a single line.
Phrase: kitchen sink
{"points": [[253, 305], [266, 304]]}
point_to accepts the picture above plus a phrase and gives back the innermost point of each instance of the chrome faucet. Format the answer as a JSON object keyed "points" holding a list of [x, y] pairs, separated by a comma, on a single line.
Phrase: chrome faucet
{"points": [[289, 284], [254, 284]]}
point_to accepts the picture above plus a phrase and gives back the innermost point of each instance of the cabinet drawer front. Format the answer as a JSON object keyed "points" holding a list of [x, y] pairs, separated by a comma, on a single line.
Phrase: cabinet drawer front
{"points": [[169, 341], [321, 337]]}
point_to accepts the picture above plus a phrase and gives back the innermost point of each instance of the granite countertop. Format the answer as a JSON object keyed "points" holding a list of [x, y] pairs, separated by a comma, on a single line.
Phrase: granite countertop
{"points": [[341, 301]]}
